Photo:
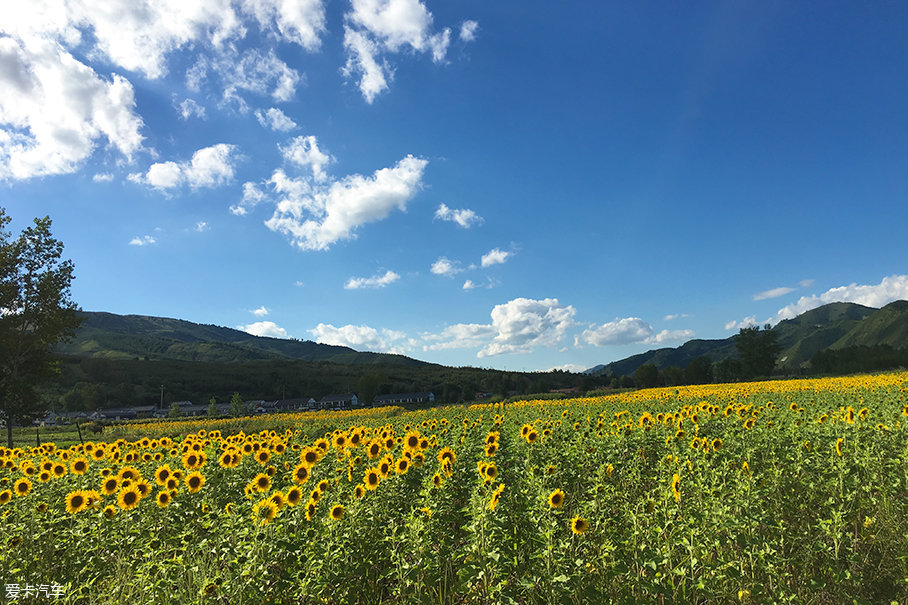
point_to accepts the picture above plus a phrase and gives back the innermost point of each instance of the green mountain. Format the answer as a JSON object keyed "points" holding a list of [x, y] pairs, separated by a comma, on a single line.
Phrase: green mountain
{"points": [[124, 337], [833, 326]]}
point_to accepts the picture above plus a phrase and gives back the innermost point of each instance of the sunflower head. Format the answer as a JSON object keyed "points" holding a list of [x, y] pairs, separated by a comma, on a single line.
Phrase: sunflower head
{"points": [[129, 498], [579, 525], [337, 512], [264, 512], [163, 499], [194, 482], [22, 487], [556, 499], [75, 502], [294, 495]]}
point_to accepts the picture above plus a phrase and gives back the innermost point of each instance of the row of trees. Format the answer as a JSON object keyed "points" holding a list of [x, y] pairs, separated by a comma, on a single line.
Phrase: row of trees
{"points": [[757, 354]]}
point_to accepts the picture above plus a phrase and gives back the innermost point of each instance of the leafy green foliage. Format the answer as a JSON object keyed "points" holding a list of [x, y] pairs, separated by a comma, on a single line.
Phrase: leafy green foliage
{"points": [[36, 313]]}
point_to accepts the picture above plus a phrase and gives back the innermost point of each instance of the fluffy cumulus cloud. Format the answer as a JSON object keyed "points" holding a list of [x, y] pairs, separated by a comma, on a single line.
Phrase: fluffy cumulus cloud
{"points": [[54, 110], [264, 328], [891, 288], [622, 331], [260, 312], [361, 338], [315, 210], [747, 322], [495, 256], [670, 336], [523, 324], [304, 152], [376, 28], [145, 240], [188, 108], [463, 217], [209, 167], [518, 326], [446, 267], [460, 336], [275, 119], [315, 215], [376, 281], [468, 30]]}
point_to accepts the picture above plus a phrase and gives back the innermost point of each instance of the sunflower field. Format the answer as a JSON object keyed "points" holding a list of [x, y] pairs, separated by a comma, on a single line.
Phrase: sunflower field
{"points": [[770, 492]]}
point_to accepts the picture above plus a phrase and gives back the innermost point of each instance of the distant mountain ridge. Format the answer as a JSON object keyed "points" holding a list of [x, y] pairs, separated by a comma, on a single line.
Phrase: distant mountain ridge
{"points": [[112, 336], [832, 326]]}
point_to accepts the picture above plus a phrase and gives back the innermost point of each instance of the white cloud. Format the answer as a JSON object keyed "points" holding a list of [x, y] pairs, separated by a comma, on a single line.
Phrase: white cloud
{"points": [[253, 72], [102, 177], [252, 196], [189, 108], [747, 322], [523, 324], [376, 281], [300, 21], [462, 216], [145, 240], [264, 328], [468, 30], [675, 316], [260, 312], [361, 338], [315, 213], [275, 119], [376, 27], [446, 267], [201, 226], [891, 288], [568, 367], [494, 257], [670, 336], [468, 285], [806, 283], [618, 332], [773, 293], [54, 110], [361, 58], [460, 336], [304, 152], [209, 167]]}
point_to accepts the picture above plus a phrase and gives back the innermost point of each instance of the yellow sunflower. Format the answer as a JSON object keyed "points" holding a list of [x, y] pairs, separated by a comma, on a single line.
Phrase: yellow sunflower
{"points": [[556, 499], [22, 487], [75, 502], [264, 512], [579, 525], [337, 512], [194, 482], [163, 499], [128, 498]]}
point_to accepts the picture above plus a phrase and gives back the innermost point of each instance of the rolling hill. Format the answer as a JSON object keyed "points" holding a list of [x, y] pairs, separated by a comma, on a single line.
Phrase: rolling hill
{"points": [[125, 337], [832, 326]]}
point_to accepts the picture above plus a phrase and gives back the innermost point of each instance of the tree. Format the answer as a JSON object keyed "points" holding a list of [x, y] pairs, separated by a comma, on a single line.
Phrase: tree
{"points": [[699, 371], [646, 376], [175, 411], [236, 405], [212, 407], [758, 350], [36, 313]]}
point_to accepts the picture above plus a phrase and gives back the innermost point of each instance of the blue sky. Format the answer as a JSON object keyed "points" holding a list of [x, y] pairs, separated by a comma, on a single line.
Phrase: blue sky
{"points": [[519, 186]]}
